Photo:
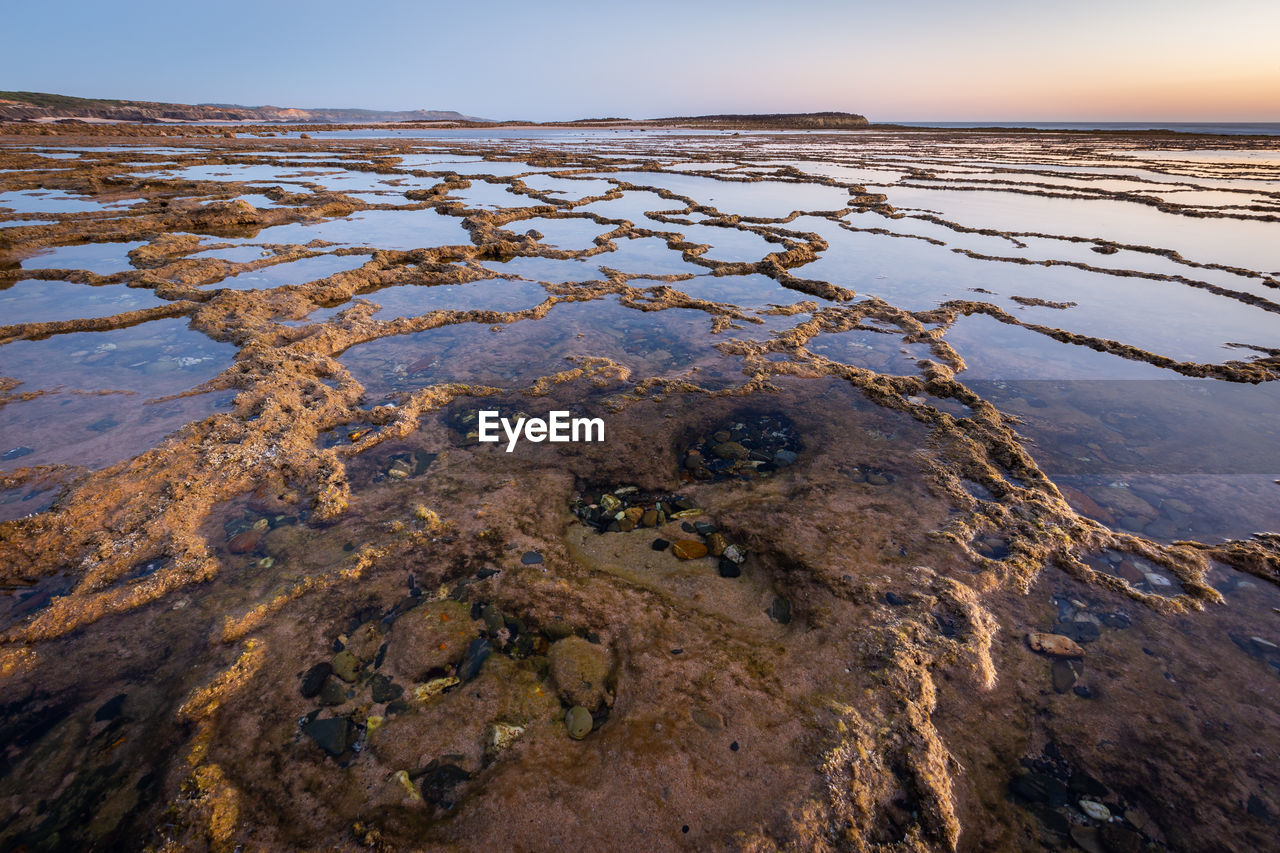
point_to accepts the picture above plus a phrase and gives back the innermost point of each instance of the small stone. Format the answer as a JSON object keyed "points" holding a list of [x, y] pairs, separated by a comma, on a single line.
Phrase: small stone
{"points": [[780, 611], [735, 553], [784, 458], [687, 549], [707, 719], [503, 735], [475, 656], [703, 528], [246, 542], [439, 783], [635, 513], [609, 503], [110, 709], [688, 527], [693, 460], [626, 525], [721, 435], [372, 723], [649, 518], [1054, 645], [383, 689], [660, 545], [894, 599], [1095, 810], [334, 692], [578, 721], [716, 543], [728, 568], [313, 679], [16, 453], [731, 451], [531, 558], [332, 735], [435, 687], [1082, 691], [1064, 676], [346, 666]]}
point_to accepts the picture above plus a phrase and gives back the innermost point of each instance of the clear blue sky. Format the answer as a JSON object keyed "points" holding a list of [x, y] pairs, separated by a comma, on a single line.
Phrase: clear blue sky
{"points": [[560, 59]]}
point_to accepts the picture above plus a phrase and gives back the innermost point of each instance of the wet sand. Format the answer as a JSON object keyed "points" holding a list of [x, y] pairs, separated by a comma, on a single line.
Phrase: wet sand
{"points": [[931, 513]]}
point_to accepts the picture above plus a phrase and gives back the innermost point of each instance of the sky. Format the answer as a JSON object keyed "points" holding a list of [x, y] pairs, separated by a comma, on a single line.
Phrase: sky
{"points": [[902, 60]]}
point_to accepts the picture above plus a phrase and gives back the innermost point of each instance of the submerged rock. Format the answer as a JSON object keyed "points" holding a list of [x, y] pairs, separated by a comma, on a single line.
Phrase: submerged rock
{"points": [[578, 721], [687, 549], [1054, 645], [332, 735], [580, 670]]}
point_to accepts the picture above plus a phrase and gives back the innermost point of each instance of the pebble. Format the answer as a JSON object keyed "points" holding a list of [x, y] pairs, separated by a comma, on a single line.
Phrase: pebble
{"points": [[780, 611], [785, 457], [1095, 810], [687, 549], [313, 679], [716, 543], [1064, 676], [1054, 645], [435, 687], [503, 735], [894, 599], [650, 518], [16, 453], [736, 554], [383, 689], [475, 656], [246, 542], [332, 735], [578, 721], [439, 783], [346, 666], [531, 558], [731, 451], [728, 568], [660, 545]]}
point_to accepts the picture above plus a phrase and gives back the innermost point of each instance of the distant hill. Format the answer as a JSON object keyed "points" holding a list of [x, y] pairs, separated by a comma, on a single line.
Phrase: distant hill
{"points": [[44, 107], [798, 121]]}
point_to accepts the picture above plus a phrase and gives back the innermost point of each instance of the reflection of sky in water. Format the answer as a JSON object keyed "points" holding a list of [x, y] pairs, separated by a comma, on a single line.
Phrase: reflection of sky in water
{"points": [[571, 234], [412, 300], [31, 301], [651, 343], [155, 358], [101, 258], [385, 229], [293, 272], [48, 201]]}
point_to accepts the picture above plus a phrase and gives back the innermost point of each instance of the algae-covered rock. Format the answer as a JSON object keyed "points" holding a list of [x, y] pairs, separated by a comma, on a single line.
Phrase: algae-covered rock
{"points": [[431, 637], [580, 670]]}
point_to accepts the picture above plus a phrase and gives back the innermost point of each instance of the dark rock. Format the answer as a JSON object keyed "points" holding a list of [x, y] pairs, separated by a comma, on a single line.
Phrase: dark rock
{"points": [[334, 692], [784, 457], [730, 450], [110, 709], [384, 689], [894, 599], [703, 528], [531, 558], [475, 656], [439, 784], [1064, 676], [332, 735], [1119, 839], [16, 453], [728, 568], [660, 545], [486, 573], [780, 611], [1082, 691], [313, 679], [1081, 632], [687, 527]]}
